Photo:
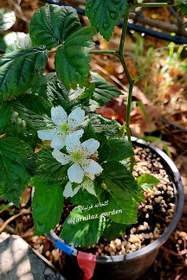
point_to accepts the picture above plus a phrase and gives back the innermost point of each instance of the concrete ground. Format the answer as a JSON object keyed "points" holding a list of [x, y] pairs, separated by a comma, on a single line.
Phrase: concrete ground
{"points": [[19, 262]]}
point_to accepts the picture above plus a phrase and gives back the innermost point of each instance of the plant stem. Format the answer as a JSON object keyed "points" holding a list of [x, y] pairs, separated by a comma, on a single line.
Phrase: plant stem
{"points": [[106, 52], [152, 5], [120, 55]]}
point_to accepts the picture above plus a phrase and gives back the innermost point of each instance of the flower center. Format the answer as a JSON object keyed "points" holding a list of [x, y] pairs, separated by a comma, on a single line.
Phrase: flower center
{"points": [[77, 156], [64, 128]]}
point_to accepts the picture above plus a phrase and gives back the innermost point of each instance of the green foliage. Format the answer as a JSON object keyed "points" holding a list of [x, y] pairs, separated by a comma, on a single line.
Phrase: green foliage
{"points": [[72, 58], [124, 192], [116, 173], [47, 204], [14, 168], [57, 93], [104, 15], [5, 115], [113, 230], [82, 229], [103, 92], [115, 150], [182, 4], [49, 168], [51, 25], [147, 181], [183, 8], [19, 69], [105, 126]]}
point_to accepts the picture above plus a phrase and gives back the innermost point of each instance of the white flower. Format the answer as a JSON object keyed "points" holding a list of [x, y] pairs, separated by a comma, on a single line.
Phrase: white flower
{"points": [[79, 155], [64, 125], [87, 184]]}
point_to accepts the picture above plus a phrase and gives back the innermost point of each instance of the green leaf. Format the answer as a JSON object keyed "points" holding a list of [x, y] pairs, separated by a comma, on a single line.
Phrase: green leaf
{"points": [[56, 92], [104, 126], [83, 198], [51, 25], [6, 111], [7, 19], [72, 59], [47, 204], [122, 207], [19, 69], [113, 230], [183, 8], [147, 181], [182, 4], [49, 168], [124, 191], [82, 229], [117, 173], [115, 150], [103, 92], [104, 15], [14, 168]]}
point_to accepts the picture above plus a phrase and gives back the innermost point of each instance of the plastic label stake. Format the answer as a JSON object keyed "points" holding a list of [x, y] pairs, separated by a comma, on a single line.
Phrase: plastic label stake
{"points": [[87, 263]]}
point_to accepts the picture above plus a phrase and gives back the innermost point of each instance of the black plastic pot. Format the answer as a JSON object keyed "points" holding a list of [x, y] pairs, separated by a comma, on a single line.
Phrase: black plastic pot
{"points": [[132, 266]]}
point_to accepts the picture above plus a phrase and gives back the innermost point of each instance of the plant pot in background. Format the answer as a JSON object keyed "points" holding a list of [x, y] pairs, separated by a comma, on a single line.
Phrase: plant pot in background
{"points": [[133, 265]]}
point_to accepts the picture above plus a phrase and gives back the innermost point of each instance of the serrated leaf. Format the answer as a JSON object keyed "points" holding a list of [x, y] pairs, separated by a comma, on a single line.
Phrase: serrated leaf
{"points": [[49, 168], [147, 181], [19, 69], [72, 59], [6, 111], [52, 24], [47, 204], [103, 91], [81, 229], [56, 92], [83, 198], [124, 191], [115, 150], [7, 19], [14, 165], [122, 207], [105, 126], [104, 15], [117, 173], [113, 230]]}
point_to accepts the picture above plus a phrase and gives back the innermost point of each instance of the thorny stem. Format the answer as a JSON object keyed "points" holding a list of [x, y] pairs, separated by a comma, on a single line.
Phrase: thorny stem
{"points": [[129, 78]]}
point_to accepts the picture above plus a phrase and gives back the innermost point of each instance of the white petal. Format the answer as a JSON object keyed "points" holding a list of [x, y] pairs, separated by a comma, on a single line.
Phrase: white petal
{"points": [[90, 146], [72, 141], [76, 117], [69, 191], [75, 173], [91, 166], [89, 186], [58, 142], [60, 157], [73, 94], [58, 115], [47, 134]]}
